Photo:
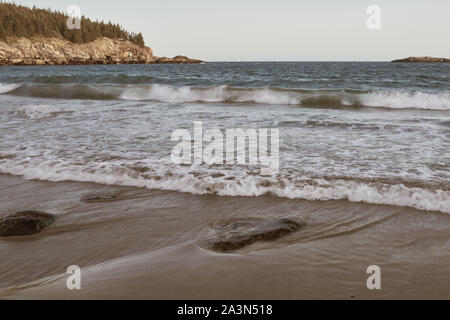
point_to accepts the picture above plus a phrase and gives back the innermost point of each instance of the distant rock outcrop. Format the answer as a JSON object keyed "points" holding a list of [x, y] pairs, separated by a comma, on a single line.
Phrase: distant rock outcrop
{"points": [[422, 59], [177, 59], [58, 51], [231, 236], [25, 223]]}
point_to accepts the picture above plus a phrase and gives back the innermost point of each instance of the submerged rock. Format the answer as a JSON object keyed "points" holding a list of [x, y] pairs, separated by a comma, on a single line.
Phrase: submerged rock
{"points": [[235, 235], [99, 197], [25, 223]]}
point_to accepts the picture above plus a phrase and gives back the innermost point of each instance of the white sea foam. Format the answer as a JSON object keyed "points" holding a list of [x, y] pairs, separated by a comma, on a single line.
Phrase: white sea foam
{"points": [[243, 185], [8, 87], [386, 99], [165, 93], [38, 111], [400, 100]]}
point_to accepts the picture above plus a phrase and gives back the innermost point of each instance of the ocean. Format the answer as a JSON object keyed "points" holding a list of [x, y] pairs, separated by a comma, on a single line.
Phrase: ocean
{"points": [[363, 132], [364, 161]]}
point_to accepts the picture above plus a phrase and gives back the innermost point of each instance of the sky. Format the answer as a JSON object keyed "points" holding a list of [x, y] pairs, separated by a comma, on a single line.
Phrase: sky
{"points": [[281, 30]]}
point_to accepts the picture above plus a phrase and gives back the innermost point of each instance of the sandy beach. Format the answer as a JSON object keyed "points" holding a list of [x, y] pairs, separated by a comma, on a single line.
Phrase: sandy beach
{"points": [[231, 152], [146, 245]]}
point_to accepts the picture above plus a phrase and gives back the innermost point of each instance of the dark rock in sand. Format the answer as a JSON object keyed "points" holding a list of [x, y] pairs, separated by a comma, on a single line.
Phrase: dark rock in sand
{"points": [[25, 223], [101, 197], [235, 235]]}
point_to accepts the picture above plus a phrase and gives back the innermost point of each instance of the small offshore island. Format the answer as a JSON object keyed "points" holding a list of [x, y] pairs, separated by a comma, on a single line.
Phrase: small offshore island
{"points": [[422, 59], [41, 37]]}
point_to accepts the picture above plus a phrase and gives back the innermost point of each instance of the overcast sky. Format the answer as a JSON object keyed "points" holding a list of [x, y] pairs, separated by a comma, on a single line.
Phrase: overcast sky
{"points": [[268, 30]]}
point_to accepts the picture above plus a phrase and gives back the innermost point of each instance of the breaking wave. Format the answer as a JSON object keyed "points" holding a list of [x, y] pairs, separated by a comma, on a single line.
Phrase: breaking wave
{"points": [[8, 87], [398, 99], [431, 198]]}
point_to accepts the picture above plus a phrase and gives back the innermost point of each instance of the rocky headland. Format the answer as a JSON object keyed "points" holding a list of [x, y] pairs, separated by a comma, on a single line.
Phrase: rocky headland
{"points": [[59, 51]]}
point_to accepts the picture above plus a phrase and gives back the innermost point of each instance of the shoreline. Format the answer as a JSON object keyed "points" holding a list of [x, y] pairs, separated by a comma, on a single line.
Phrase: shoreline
{"points": [[159, 60], [145, 245]]}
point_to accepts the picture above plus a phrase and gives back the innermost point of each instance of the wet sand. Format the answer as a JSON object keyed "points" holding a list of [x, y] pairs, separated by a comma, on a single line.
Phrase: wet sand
{"points": [[146, 245]]}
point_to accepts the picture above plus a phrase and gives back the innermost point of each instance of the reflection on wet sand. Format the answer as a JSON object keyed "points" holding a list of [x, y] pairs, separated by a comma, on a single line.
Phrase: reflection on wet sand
{"points": [[149, 244]]}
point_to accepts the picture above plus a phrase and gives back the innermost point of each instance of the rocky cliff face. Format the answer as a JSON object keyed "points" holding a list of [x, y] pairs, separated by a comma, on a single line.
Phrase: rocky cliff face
{"points": [[49, 51], [56, 51]]}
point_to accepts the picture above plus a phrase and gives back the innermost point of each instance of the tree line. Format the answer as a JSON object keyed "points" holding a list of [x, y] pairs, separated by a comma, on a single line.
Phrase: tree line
{"points": [[22, 21]]}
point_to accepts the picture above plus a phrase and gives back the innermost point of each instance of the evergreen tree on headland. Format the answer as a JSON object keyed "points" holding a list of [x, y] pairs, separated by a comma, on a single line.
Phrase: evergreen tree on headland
{"points": [[2, 33], [22, 21]]}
